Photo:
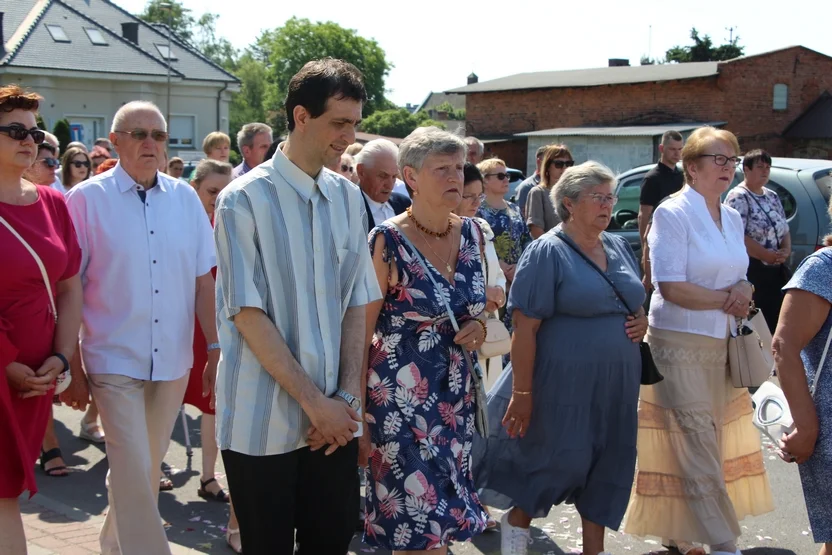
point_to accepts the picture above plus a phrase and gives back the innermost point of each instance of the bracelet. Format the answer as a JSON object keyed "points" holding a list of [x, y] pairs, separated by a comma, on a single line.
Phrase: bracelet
{"points": [[515, 392], [63, 359], [484, 327], [213, 347]]}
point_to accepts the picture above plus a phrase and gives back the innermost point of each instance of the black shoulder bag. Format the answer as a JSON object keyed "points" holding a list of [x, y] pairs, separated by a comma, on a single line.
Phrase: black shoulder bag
{"points": [[649, 373]]}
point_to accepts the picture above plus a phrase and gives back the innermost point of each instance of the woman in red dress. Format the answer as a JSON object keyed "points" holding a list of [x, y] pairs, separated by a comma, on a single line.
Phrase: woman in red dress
{"points": [[34, 347], [210, 177]]}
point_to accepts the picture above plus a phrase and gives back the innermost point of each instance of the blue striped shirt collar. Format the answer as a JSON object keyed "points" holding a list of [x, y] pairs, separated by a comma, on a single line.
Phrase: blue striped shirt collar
{"points": [[300, 180]]}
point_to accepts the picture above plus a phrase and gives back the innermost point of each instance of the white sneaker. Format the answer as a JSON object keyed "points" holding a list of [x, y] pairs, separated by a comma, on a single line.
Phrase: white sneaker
{"points": [[513, 539]]}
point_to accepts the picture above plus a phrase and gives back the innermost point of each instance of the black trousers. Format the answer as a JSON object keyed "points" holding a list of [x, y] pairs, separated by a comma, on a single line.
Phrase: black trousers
{"points": [[303, 490], [768, 289]]}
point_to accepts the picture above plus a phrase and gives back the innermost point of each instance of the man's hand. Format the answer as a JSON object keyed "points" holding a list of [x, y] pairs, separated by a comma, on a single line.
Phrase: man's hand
{"points": [[77, 395], [335, 420], [209, 376]]}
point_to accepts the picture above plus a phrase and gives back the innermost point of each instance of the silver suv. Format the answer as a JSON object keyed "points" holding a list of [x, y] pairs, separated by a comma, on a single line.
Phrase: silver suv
{"points": [[804, 187]]}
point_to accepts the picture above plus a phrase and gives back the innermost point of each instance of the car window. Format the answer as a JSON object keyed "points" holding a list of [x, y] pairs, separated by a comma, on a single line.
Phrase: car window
{"points": [[786, 199], [824, 182], [625, 213]]}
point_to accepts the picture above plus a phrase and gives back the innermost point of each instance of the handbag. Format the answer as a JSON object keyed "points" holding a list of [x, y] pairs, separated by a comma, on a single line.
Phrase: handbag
{"points": [[749, 351], [481, 421], [650, 374], [497, 338], [772, 415], [64, 378]]}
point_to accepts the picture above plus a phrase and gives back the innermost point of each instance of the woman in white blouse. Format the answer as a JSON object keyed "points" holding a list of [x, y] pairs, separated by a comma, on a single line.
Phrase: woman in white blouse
{"points": [[700, 465]]}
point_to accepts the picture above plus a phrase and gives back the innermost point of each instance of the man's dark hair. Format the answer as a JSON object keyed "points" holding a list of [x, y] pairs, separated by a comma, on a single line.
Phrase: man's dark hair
{"points": [[272, 149], [754, 156], [320, 80], [472, 173], [48, 146], [671, 135]]}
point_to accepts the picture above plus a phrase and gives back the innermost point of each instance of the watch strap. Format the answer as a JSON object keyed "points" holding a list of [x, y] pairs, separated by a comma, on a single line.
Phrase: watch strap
{"points": [[213, 347], [63, 359]]}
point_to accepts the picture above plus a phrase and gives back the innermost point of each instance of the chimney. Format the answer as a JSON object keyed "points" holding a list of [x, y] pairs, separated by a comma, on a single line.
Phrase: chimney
{"points": [[473, 78], [619, 62], [130, 31]]}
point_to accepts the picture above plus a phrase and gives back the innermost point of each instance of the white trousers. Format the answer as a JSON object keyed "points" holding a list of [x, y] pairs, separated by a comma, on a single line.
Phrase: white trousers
{"points": [[138, 418]]}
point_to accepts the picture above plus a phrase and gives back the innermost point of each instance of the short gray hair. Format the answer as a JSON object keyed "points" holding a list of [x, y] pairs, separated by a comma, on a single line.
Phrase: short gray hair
{"points": [[208, 167], [245, 136], [576, 180], [425, 141], [372, 149], [474, 142], [135, 106]]}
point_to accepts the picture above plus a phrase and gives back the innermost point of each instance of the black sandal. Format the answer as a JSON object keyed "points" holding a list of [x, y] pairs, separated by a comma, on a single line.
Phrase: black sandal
{"points": [[220, 496], [52, 454]]}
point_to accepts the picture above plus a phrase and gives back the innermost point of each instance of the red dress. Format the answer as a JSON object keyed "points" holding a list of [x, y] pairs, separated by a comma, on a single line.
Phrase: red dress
{"points": [[27, 327]]}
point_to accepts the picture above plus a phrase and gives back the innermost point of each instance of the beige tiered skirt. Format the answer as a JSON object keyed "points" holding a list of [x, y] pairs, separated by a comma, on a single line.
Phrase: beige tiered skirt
{"points": [[700, 463]]}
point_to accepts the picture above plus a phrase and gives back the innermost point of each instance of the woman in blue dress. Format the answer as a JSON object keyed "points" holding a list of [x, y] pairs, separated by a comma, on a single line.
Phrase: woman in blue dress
{"points": [[420, 405], [799, 344], [563, 417]]}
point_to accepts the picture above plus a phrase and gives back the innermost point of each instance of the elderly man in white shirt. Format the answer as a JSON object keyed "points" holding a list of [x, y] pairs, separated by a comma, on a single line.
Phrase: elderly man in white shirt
{"points": [[146, 270], [294, 278], [377, 168]]}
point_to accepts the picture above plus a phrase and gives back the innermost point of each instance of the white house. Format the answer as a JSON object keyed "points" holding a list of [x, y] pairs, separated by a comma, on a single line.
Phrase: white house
{"points": [[87, 58]]}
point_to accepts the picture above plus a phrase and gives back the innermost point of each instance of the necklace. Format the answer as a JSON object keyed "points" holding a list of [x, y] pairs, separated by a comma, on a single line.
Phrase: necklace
{"points": [[425, 230], [447, 260]]}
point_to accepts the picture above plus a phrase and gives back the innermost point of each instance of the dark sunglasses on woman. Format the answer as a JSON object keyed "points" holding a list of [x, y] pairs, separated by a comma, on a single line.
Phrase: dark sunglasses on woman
{"points": [[80, 164], [501, 176], [49, 162], [560, 164], [19, 133]]}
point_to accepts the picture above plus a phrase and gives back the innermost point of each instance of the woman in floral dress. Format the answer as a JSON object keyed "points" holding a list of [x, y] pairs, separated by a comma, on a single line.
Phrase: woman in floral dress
{"points": [[420, 405]]}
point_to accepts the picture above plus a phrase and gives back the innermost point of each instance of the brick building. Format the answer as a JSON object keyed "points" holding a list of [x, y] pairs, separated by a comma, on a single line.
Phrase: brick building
{"points": [[758, 97]]}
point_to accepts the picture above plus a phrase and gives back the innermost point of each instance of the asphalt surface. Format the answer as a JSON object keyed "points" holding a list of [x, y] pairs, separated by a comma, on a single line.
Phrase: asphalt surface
{"points": [[200, 525]]}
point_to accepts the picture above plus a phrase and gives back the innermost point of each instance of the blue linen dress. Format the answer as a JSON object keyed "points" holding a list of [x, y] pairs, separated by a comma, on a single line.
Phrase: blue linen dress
{"points": [[581, 444], [815, 276], [420, 403]]}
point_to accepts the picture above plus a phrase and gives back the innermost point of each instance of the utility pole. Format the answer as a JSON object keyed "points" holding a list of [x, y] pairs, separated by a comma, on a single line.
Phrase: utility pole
{"points": [[731, 34], [169, 7]]}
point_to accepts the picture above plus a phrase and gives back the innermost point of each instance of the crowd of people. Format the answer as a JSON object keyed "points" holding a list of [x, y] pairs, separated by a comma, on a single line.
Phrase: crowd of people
{"points": [[329, 306]]}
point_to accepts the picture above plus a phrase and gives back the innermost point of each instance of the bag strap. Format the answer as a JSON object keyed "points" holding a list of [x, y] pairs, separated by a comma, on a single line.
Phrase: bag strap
{"points": [[820, 366], [595, 267], [42, 268], [768, 217]]}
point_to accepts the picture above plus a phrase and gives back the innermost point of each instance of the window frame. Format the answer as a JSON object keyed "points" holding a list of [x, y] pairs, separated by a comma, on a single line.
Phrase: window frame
{"points": [[193, 138], [170, 55], [53, 29], [783, 97], [100, 33]]}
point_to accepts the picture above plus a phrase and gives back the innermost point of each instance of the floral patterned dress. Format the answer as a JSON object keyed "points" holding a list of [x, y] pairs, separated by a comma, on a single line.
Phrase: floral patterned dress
{"points": [[420, 403]]}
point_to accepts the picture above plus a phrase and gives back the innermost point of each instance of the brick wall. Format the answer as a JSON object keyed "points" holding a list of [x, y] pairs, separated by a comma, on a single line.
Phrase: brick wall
{"points": [[513, 153]]}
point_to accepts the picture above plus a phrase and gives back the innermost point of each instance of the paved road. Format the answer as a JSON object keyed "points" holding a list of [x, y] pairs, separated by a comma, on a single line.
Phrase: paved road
{"points": [[198, 524]]}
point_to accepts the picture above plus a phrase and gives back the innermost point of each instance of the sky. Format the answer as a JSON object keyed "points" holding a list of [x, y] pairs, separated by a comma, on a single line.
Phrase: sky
{"points": [[434, 45]]}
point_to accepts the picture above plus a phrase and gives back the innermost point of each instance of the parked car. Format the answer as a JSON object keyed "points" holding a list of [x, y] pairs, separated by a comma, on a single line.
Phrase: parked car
{"points": [[515, 179], [804, 187]]}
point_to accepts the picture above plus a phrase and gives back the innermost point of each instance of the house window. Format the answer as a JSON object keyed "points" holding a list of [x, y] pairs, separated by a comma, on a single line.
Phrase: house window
{"points": [[781, 96], [58, 33], [165, 52], [182, 131], [96, 37]]}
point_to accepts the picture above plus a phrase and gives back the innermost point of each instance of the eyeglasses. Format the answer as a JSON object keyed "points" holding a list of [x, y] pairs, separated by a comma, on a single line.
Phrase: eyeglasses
{"points": [[80, 164], [722, 160], [560, 164], [475, 199], [501, 176], [346, 168], [19, 133], [601, 200], [142, 134], [48, 162]]}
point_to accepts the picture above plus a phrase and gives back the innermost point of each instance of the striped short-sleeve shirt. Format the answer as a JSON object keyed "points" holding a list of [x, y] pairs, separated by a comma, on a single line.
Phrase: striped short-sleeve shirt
{"points": [[294, 247]]}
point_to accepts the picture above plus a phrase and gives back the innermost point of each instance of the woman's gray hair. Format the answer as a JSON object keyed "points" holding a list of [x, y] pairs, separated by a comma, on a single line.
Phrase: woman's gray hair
{"points": [[576, 180], [208, 167], [426, 141]]}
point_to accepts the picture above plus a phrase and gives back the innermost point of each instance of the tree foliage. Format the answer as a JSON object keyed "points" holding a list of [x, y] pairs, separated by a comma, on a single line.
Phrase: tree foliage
{"points": [[64, 134], [41, 123], [178, 17], [453, 114], [397, 122], [703, 50]]}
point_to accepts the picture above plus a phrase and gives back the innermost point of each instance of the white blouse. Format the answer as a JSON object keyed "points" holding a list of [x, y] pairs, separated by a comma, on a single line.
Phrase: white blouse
{"points": [[687, 246]]}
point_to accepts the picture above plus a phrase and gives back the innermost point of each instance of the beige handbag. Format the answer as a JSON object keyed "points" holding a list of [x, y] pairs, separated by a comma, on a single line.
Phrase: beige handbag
{"points": [[497, 339], [749, 351]]}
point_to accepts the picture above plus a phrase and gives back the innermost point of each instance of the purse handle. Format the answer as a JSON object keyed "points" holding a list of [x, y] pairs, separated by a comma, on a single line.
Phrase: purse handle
{"points": [[820, 366], [595, 267], [768, 217], [42, 268]]}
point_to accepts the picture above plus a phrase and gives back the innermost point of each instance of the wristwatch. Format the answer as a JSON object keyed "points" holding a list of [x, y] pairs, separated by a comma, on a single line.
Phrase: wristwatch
{"points": [[351, 399], [213, 347]]}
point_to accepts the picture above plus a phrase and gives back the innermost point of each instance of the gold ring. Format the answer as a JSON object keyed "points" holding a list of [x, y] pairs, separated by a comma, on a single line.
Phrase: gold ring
{"points": [[74, 403]]}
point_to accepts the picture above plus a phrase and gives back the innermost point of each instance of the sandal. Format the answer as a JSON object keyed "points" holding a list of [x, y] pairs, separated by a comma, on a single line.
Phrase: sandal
{"points": [[220, 496], [165, 484], [229, 534], [91, 431], [56, 471], [684, 548]]}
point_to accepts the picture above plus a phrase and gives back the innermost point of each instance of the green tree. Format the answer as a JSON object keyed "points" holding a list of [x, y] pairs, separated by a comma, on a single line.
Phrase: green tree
{"points": [[63, 133], [288, 48], [247, 105], [217, 49], [453, 114], [397, 122], [41, 124], [703, 50], [178, 17]]}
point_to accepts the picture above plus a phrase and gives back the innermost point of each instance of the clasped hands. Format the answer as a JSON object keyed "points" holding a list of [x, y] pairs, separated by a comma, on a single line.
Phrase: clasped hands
{"points": [[34, 383], [739, 299]]}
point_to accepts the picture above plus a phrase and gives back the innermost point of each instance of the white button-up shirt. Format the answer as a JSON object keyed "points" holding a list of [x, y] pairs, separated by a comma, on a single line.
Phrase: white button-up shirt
{"points": [[381, 211], [294, 247], [687, 246], [139, 267]]}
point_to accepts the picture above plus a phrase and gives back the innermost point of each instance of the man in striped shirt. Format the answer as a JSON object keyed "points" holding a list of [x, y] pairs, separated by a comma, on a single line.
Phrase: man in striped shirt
{"points": [[294, 276]]}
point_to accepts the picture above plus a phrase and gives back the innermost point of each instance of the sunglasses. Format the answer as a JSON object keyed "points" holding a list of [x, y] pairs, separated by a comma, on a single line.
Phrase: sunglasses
{"points": [[346, 168], [501, 176], [80, 164], [560, 164], [49, 162], [19, 133], [142, 134]]}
